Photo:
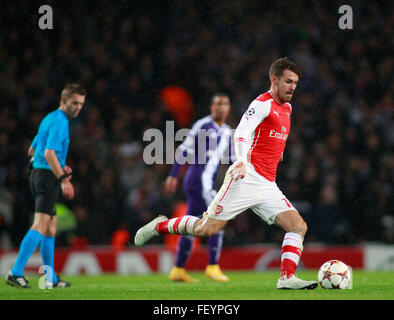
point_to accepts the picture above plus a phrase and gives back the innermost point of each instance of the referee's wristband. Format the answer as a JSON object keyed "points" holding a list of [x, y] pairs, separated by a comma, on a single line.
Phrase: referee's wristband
{"points": [[63, 176]]}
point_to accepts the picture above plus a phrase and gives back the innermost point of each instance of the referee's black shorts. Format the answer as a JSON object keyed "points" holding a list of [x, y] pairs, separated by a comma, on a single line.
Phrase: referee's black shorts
{"points": [[45, 189]]}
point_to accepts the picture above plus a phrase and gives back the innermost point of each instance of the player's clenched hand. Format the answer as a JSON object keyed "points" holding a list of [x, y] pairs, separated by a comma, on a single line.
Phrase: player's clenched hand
{"points": [[238, 171], [170, 185], [67, 188], [67, 170]]}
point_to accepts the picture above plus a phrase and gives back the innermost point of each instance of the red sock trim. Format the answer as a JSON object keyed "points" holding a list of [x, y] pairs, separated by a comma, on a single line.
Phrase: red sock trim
{"points": [[292, 249], [176, 225], [287, 267], [162, 227]]}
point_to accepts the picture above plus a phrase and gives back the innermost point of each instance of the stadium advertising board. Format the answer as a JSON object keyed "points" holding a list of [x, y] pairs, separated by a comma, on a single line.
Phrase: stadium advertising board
{"points": [[98, 260]]}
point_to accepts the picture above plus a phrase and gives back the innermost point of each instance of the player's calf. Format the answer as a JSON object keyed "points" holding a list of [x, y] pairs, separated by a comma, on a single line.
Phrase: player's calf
{"points": [[208, 227], [191, 225], [291, 221], [301, 228]]}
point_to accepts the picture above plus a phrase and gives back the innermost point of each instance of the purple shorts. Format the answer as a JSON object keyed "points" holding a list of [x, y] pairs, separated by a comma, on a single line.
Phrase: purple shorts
{"points": [[195, 203]]}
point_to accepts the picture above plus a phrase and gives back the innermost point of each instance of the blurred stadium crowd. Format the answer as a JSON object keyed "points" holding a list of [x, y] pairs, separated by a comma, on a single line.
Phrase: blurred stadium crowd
{"points": [[338, 164]]}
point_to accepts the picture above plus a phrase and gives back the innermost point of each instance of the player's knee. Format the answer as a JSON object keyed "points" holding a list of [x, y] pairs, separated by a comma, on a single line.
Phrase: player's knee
{"points": [[41, 222]]}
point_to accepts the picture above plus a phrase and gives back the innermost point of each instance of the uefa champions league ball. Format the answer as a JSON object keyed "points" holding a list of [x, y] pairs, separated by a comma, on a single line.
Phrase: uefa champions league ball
{"points": [[334, 274]]}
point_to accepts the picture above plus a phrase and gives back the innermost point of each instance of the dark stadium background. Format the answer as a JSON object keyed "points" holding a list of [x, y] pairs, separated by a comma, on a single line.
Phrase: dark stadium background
{"points": [[338, 164]]}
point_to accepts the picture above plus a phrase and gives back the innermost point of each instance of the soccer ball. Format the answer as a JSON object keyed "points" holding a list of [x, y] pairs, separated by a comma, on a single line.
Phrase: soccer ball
{"points": [[334, 274]]}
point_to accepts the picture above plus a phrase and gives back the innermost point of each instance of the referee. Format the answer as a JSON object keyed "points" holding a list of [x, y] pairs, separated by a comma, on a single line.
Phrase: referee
{"points": [[49, 176]]}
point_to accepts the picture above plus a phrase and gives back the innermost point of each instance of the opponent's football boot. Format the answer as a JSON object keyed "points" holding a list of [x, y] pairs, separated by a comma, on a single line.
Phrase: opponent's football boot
{"points": [[214, 272], [180, 274]]}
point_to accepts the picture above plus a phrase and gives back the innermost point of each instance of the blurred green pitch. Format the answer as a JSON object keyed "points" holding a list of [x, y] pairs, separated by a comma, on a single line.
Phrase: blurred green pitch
{"points": [[242, 286]]}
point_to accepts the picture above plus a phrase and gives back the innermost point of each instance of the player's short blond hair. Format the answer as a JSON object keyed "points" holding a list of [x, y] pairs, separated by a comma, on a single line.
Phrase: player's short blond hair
{"points": [[281, 64]]}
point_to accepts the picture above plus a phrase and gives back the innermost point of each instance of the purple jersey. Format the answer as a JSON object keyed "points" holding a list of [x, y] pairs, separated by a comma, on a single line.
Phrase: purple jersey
{"points": [[206, 147]]}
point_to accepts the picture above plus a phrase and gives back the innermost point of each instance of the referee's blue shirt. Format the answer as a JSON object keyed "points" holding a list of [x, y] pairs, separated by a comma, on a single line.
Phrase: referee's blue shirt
{"points": [[53, 134]]}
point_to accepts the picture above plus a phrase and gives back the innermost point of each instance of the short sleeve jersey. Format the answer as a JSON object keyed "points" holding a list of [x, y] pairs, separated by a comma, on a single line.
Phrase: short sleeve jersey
{"points": [[53, 134]]}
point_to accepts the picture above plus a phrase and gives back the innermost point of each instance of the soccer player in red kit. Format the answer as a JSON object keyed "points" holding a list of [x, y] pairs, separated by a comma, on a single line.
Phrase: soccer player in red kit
{"points": [[260, 140]]}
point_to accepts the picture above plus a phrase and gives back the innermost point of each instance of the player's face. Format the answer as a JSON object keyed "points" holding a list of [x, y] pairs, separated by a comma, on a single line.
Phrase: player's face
{"points": [[220, 108], [74, 104], [286, 85]]}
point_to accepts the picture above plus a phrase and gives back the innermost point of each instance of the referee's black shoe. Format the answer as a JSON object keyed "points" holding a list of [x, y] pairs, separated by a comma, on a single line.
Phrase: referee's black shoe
{"points": [[61, 283], [19, 282]]}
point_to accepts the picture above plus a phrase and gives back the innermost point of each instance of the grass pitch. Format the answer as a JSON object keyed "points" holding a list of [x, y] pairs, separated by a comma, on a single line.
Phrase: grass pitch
{"points": [[242, 286]]}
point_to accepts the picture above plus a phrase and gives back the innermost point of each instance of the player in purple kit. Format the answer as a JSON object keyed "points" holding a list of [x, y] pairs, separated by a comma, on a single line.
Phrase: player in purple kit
{"points": [[208, 144]]}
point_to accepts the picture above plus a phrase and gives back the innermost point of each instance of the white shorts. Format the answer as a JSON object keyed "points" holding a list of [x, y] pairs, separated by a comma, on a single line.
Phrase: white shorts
{"points": [[253, 192]]}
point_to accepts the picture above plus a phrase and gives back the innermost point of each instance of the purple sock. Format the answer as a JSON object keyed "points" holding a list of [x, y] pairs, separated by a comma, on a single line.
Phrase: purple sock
{"points": [[183, 251], [215, 247]]}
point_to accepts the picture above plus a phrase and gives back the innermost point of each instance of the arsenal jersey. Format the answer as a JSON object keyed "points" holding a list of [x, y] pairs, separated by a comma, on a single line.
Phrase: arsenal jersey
{"points": [[265, 126]]}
